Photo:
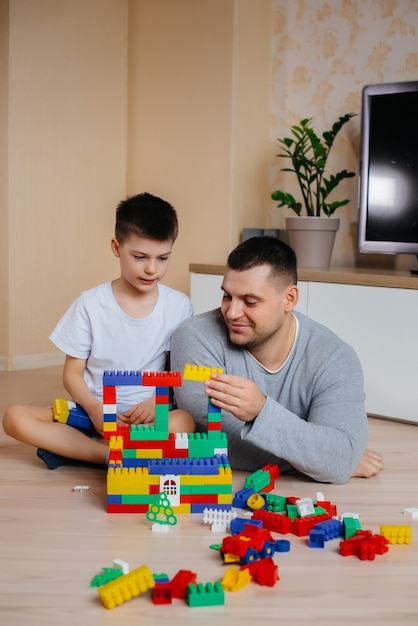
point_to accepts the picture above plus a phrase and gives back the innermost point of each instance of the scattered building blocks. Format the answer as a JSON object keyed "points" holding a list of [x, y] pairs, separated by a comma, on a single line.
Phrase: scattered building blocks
{"points": [[305, 506], [282, 545], [364, 545], [237, 524], [161, 594], [275, 503], [256, 501], [218, 519], [71, 413], [411, 512], [205, 595], [273, 521], [316, 538], [264, 572], [126, 587], [351, 526], [106, 575], [397, 534], [235, 578], [251, 544], [332, 528], [180, 582], [122, 566]]}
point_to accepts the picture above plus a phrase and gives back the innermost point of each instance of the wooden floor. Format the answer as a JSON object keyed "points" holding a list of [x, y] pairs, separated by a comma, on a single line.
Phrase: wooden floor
{"points": [[54, 540]]}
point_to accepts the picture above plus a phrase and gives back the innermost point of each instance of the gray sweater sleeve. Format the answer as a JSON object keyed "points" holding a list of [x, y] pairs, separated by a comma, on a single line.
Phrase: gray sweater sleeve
{"points": [[314, 419]]}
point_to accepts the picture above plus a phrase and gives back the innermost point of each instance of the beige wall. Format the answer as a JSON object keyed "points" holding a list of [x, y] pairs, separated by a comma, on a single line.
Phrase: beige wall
{"points": [[323, 53], [67, 129], [199, 85], [182, 98], [4, 247]]}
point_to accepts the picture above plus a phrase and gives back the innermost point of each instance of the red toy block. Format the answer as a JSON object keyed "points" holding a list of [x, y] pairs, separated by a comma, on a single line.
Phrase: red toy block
{"points": [[273, 470], [328, 506], [180, 581], [301, 526], [161, 379], [263, 572], [161, 593], [273, 521], [109, 395], [127, 508], [162, 399]]}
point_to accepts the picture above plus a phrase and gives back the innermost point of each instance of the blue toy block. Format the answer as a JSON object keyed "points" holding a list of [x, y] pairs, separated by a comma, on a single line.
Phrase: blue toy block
{"points": [[241, 497], [237, 524], [282, 545], [122, 378], [331, 528], [316, 538]]}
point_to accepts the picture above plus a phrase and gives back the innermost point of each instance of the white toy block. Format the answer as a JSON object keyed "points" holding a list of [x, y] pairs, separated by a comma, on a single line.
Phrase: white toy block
{"points": [[121, 565], [305, 506], [411, 512]]}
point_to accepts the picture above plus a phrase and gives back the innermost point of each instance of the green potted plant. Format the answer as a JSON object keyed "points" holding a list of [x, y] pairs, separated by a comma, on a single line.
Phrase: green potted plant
{"points": [[309, 156]]}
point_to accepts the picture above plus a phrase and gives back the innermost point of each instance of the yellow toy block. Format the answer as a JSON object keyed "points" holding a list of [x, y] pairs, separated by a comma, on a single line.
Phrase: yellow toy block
{"points": [[397, 534], [235, 579], [60, 410], [126, 587], [110, 427], [115, 443], [130, 481], [200, 373], [225, 498], [151, 454]]}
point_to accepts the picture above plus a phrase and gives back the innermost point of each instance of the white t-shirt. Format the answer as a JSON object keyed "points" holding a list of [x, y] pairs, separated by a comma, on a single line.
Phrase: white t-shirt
{"points": [[95, 328]]}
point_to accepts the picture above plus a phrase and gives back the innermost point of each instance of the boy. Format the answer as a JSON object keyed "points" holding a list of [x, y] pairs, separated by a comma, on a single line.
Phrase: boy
{"points": [[125, 324]]}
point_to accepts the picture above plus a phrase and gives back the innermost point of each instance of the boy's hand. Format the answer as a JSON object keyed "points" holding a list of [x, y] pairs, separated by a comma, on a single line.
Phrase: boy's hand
{"points": [[142, 413], [235, 394]]}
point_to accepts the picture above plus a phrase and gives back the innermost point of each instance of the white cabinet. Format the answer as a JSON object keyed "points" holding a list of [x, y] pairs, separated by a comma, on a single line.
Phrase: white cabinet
{"points": [[381, 323]]}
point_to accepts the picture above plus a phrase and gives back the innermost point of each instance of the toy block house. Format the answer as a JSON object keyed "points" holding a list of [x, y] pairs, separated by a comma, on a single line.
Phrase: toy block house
{"points": [[192, 470]]}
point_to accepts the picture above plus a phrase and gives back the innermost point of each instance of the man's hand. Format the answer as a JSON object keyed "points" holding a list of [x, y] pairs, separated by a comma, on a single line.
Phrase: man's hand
{"points": [[142, 413], [235, 394], [370, 465]]}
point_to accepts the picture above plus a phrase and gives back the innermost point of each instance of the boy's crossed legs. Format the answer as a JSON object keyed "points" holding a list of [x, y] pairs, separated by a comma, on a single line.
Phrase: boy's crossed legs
{"points": [[61, 444]]}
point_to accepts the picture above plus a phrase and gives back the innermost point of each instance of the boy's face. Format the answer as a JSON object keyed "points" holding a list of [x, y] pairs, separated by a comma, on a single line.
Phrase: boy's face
{"points": [[143, 261]]}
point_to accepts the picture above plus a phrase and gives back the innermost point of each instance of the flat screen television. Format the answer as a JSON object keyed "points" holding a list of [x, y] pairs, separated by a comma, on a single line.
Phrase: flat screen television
{"points": [[388, 176]]}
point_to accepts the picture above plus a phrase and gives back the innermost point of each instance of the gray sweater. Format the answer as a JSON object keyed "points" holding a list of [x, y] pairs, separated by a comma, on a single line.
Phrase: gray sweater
{"points": [[314, 419]]}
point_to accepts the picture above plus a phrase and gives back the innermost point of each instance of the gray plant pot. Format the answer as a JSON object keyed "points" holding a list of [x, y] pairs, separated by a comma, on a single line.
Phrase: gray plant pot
{"points": [[312, 239]]}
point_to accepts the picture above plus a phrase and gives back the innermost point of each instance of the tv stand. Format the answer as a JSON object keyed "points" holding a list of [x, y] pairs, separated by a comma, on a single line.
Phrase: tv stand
{"points": [[414, 272]]}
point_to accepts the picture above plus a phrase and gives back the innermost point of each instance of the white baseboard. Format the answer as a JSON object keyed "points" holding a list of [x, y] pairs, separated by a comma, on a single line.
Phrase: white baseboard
{"points": [[31, 361]]}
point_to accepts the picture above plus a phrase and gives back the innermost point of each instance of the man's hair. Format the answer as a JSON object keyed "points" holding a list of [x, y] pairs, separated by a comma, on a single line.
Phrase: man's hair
{"points": [[265, 251], [147, 216]]}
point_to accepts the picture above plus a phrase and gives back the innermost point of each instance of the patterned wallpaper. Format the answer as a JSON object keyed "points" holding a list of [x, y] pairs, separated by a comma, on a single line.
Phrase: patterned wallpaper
{"points": [[323, 53]]}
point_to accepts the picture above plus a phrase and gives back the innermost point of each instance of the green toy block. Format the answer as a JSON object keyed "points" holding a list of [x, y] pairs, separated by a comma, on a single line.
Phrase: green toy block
{"points": [[143, 432], [258, 480], [210, 489], [145, 498], [275, 503], [205, 595]]}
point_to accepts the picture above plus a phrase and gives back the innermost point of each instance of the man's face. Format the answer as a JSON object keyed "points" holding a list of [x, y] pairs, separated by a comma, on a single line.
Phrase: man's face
{"points": [[254, 305]]}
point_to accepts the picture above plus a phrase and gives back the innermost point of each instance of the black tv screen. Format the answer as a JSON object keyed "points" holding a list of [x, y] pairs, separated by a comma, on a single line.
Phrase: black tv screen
{"points": [[388, 190]]}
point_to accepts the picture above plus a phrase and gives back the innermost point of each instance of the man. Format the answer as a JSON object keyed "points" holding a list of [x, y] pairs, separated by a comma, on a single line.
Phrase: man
{"points": [[292, 391]]}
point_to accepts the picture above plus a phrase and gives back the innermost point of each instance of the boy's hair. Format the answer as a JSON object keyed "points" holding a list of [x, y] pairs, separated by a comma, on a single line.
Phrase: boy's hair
{"points": [[147, 216], [265, 251]]}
